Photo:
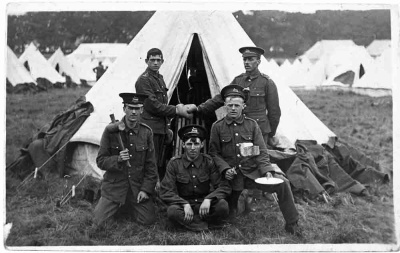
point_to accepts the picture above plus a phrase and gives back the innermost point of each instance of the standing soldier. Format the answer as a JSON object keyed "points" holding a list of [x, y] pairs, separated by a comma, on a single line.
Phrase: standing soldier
{"points": [[193, 187], [157, 112], [99, 70], [263, 101], [130, 175]]}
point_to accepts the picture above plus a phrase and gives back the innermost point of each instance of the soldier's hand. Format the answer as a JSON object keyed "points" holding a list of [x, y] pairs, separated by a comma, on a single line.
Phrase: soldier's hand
{"points": [[170, 137], [268, 175], [191, 108], [272, 141], [230, 174], [142, 196], [157, 188], [188, 213], [123, 155], [205, 208], [182, 111]]}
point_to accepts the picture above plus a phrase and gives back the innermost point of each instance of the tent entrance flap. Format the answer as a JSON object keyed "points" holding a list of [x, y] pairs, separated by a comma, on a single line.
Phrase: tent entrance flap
{"points": [[178, 71], [192, 88], [192, 85]]}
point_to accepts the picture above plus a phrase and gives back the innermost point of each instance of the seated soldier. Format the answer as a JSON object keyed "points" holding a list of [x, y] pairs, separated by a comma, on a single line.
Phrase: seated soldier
{"points": [[130, 173], [228, 138], [192, 187]]}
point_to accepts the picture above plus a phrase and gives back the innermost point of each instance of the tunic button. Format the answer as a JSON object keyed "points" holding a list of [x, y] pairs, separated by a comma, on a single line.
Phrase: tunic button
{"points": [[130, 133], [237, 144], [130, 155], [240, 165], [234, 124], [236, 134], [194, 176], [238, 155], [131, 144], [195, 200], [195, 186]]}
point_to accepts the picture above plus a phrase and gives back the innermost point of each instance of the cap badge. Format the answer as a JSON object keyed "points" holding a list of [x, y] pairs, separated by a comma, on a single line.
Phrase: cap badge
{"points": [[247, 51], [194, 131], [235, 90], [135, 100]]}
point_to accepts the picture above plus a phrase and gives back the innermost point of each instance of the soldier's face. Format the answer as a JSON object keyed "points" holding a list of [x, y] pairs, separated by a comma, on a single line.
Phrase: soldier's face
{"points": [[132, 113], [154, 62], [192, 147], [234, 107], [251, 63]]}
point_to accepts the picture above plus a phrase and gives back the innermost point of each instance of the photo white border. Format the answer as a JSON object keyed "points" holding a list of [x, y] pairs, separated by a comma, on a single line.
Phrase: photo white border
{"points": [[284, 5]]}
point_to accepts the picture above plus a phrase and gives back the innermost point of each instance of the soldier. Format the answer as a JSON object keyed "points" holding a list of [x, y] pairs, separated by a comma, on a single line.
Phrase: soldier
{"points": [[263, 101], [99, 70], [228, 138], [262, 104], [157, 113], [129, 186], [192, 186]]}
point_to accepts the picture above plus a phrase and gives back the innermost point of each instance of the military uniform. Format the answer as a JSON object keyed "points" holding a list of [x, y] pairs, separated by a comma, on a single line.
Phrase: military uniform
{"points": [[190, 182], [226, 137], [262, 103], [156, 112], [122, 184]]}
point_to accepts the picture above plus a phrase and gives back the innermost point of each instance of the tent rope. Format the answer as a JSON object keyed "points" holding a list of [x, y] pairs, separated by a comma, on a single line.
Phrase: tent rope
{"points": [[29, 177]]}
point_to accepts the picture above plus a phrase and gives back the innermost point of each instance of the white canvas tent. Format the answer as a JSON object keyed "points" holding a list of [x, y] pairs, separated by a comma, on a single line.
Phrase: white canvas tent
{"points": [[274, 71], [377, 47], [60, 62], [306, 75], [345, 65], [219, 36], [39, 67], [84, 68], [377, 82], [16, 72], [99, 51], [324, 47]]}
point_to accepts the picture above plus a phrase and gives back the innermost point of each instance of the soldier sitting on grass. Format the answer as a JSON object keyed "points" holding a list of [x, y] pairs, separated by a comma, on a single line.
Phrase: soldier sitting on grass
{"points": [[193, 187]]}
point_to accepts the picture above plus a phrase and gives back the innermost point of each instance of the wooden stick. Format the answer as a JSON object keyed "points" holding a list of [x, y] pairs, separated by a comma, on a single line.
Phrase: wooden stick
{"points": [[120, 139]]}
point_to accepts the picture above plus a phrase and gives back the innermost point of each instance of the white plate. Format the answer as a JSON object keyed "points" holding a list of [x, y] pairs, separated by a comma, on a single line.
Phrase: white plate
{"points": [[271, 180]]}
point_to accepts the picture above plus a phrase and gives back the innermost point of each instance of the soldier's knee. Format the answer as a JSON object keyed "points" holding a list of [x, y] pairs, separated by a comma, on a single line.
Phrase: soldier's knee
{"points": [[222, 208], [172, 211]]}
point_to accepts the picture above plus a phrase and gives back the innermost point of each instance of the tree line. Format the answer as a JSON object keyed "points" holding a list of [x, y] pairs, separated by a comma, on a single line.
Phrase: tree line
{"points": [[282, 34]]}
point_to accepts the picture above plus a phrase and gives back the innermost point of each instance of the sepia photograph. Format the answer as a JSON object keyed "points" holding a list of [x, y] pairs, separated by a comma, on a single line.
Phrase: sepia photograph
{"points": [[189, 126]]}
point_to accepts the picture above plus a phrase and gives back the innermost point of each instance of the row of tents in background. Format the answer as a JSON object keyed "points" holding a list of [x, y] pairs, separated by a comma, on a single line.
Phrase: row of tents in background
{"points": [[329, 64], [33, 72], [340, 64]]}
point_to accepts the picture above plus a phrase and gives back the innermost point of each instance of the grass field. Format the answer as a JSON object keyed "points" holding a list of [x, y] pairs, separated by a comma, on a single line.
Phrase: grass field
{"points": [[365, 123]]}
